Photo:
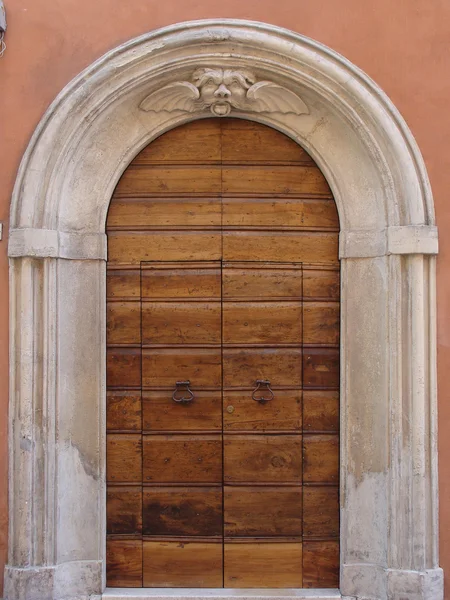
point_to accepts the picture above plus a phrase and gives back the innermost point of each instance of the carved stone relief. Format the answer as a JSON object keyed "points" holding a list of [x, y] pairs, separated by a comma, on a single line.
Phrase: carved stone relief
{"points": [[222, 90]]}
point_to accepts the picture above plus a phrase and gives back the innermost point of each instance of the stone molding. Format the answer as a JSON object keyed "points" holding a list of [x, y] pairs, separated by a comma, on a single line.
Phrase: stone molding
{"points": [[389, 493]]}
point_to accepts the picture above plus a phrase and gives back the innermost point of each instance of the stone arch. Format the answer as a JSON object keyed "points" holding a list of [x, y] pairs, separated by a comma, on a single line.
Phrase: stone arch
{"points": [[57, 248]]}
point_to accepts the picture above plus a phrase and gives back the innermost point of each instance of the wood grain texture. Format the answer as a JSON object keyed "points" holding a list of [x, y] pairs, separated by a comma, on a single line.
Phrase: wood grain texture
{"points": [[182, 511], [243, 366], [262, 458], [283, 180], [123, 563], [233, 213], [259, 280], [262, 322], [321, 458], [124, 509], [292, 246], [321, 323], [181, 280], [161, 413], [162, 367], [182, 459], [123, 322], [197, 179], [263, 565], [124, 458], [302, 213], [241, 412], [321, 512], [182, 564], [134, 247], [321, 368], [123, 410], [262, 511], [181, 322], [321, 564], [320, 410], [123, 367]]}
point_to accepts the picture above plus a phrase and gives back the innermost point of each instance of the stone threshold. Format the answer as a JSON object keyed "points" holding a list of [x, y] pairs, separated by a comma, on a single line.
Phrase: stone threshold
{"points": [[207, 593]]}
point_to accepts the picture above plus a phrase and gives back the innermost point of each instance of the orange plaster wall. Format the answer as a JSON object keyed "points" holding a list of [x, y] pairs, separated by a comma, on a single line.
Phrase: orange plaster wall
{"points": [[404, 45]]}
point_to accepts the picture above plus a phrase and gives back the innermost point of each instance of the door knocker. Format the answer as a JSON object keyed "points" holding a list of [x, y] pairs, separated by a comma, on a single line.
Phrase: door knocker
{"points": [[262, 386], [182, 392]]}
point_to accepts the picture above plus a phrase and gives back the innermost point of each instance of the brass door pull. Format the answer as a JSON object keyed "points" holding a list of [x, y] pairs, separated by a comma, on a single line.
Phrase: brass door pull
{"points": [[182, 387], [262, 386]]}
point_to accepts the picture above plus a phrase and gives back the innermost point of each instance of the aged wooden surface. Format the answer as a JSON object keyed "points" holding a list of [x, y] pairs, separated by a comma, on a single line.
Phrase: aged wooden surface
{"points": [[222, 269]]}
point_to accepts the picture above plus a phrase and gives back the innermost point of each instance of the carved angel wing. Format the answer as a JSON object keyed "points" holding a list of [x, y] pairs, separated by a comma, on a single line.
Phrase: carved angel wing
{"points": [[180, 95], [266, 96]]}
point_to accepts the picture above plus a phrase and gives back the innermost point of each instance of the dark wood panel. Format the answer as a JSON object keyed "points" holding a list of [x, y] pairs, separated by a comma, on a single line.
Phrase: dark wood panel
{"points": [[262, 458], [321, 512], [123, 367], [162, 367], [124, 458], [134, 247], [282, 413], [243, 366], [321, 564], [262, 511], [259, 280], [123, 322], [263, 565], [321, 458], [123, 283], [183, 511], [164, 212], [181, 322], [124, 563], [295, 246], [123, 410], [262, 322], [182, 458], [124, 509], [271, 179], [321, 368], [173, 180], [181, 280], [320, 410], [198, 141], [321, 323], [280, 212], [182, 564], [161, 413]]}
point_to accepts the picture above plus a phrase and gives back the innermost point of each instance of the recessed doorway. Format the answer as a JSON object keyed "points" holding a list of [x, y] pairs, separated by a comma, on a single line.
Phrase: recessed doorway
{"points": [[223, 364]]}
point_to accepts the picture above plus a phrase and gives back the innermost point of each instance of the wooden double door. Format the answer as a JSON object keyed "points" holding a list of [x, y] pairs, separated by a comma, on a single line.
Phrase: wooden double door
{"points": [[223, 365]]}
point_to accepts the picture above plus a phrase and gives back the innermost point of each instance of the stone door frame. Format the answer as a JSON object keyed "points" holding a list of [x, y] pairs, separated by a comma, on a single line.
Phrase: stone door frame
{"points": [[57, 249]]}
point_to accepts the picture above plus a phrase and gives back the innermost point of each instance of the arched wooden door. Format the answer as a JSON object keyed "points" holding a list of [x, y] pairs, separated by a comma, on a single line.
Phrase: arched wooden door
{"points": [[223, 272]]}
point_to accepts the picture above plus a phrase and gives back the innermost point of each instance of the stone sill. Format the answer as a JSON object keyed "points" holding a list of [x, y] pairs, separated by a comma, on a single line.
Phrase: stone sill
{"points": [[206, 593]]}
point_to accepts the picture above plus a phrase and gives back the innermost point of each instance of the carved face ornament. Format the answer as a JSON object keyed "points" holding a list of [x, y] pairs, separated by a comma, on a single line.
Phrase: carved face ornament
{"points": [[222, 90]]}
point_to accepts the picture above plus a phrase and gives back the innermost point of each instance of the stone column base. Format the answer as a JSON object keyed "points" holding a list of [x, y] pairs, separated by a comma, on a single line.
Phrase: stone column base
{"points": [[76, 580]]}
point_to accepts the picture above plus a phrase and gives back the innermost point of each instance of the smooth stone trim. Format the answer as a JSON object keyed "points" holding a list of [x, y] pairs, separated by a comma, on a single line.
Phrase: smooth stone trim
{"points": [[422, 239], [50, 243]]}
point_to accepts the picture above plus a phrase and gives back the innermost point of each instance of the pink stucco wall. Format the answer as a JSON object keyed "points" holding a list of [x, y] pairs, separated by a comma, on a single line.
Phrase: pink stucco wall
{"points": [[403, 45]]}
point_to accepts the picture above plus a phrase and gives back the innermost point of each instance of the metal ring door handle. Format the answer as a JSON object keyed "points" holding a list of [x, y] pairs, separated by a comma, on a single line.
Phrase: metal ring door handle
{"points": [[182, 387], [262, 386]]}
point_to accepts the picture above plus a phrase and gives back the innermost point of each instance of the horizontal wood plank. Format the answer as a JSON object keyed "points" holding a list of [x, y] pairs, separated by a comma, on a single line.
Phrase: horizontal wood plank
{"points": [[182, 564], [170, 180], [124, 458], [181, 280], [262, 511], [124, 509], [259, 280], [321, 512], [321, 564], [123, 367], [124, 563], [182, 458], [182, 511], [123, 410], [262, 458], [320, 410], [321, 458], [163, 367], [321, 323], [243, 366], [123, 322]]}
